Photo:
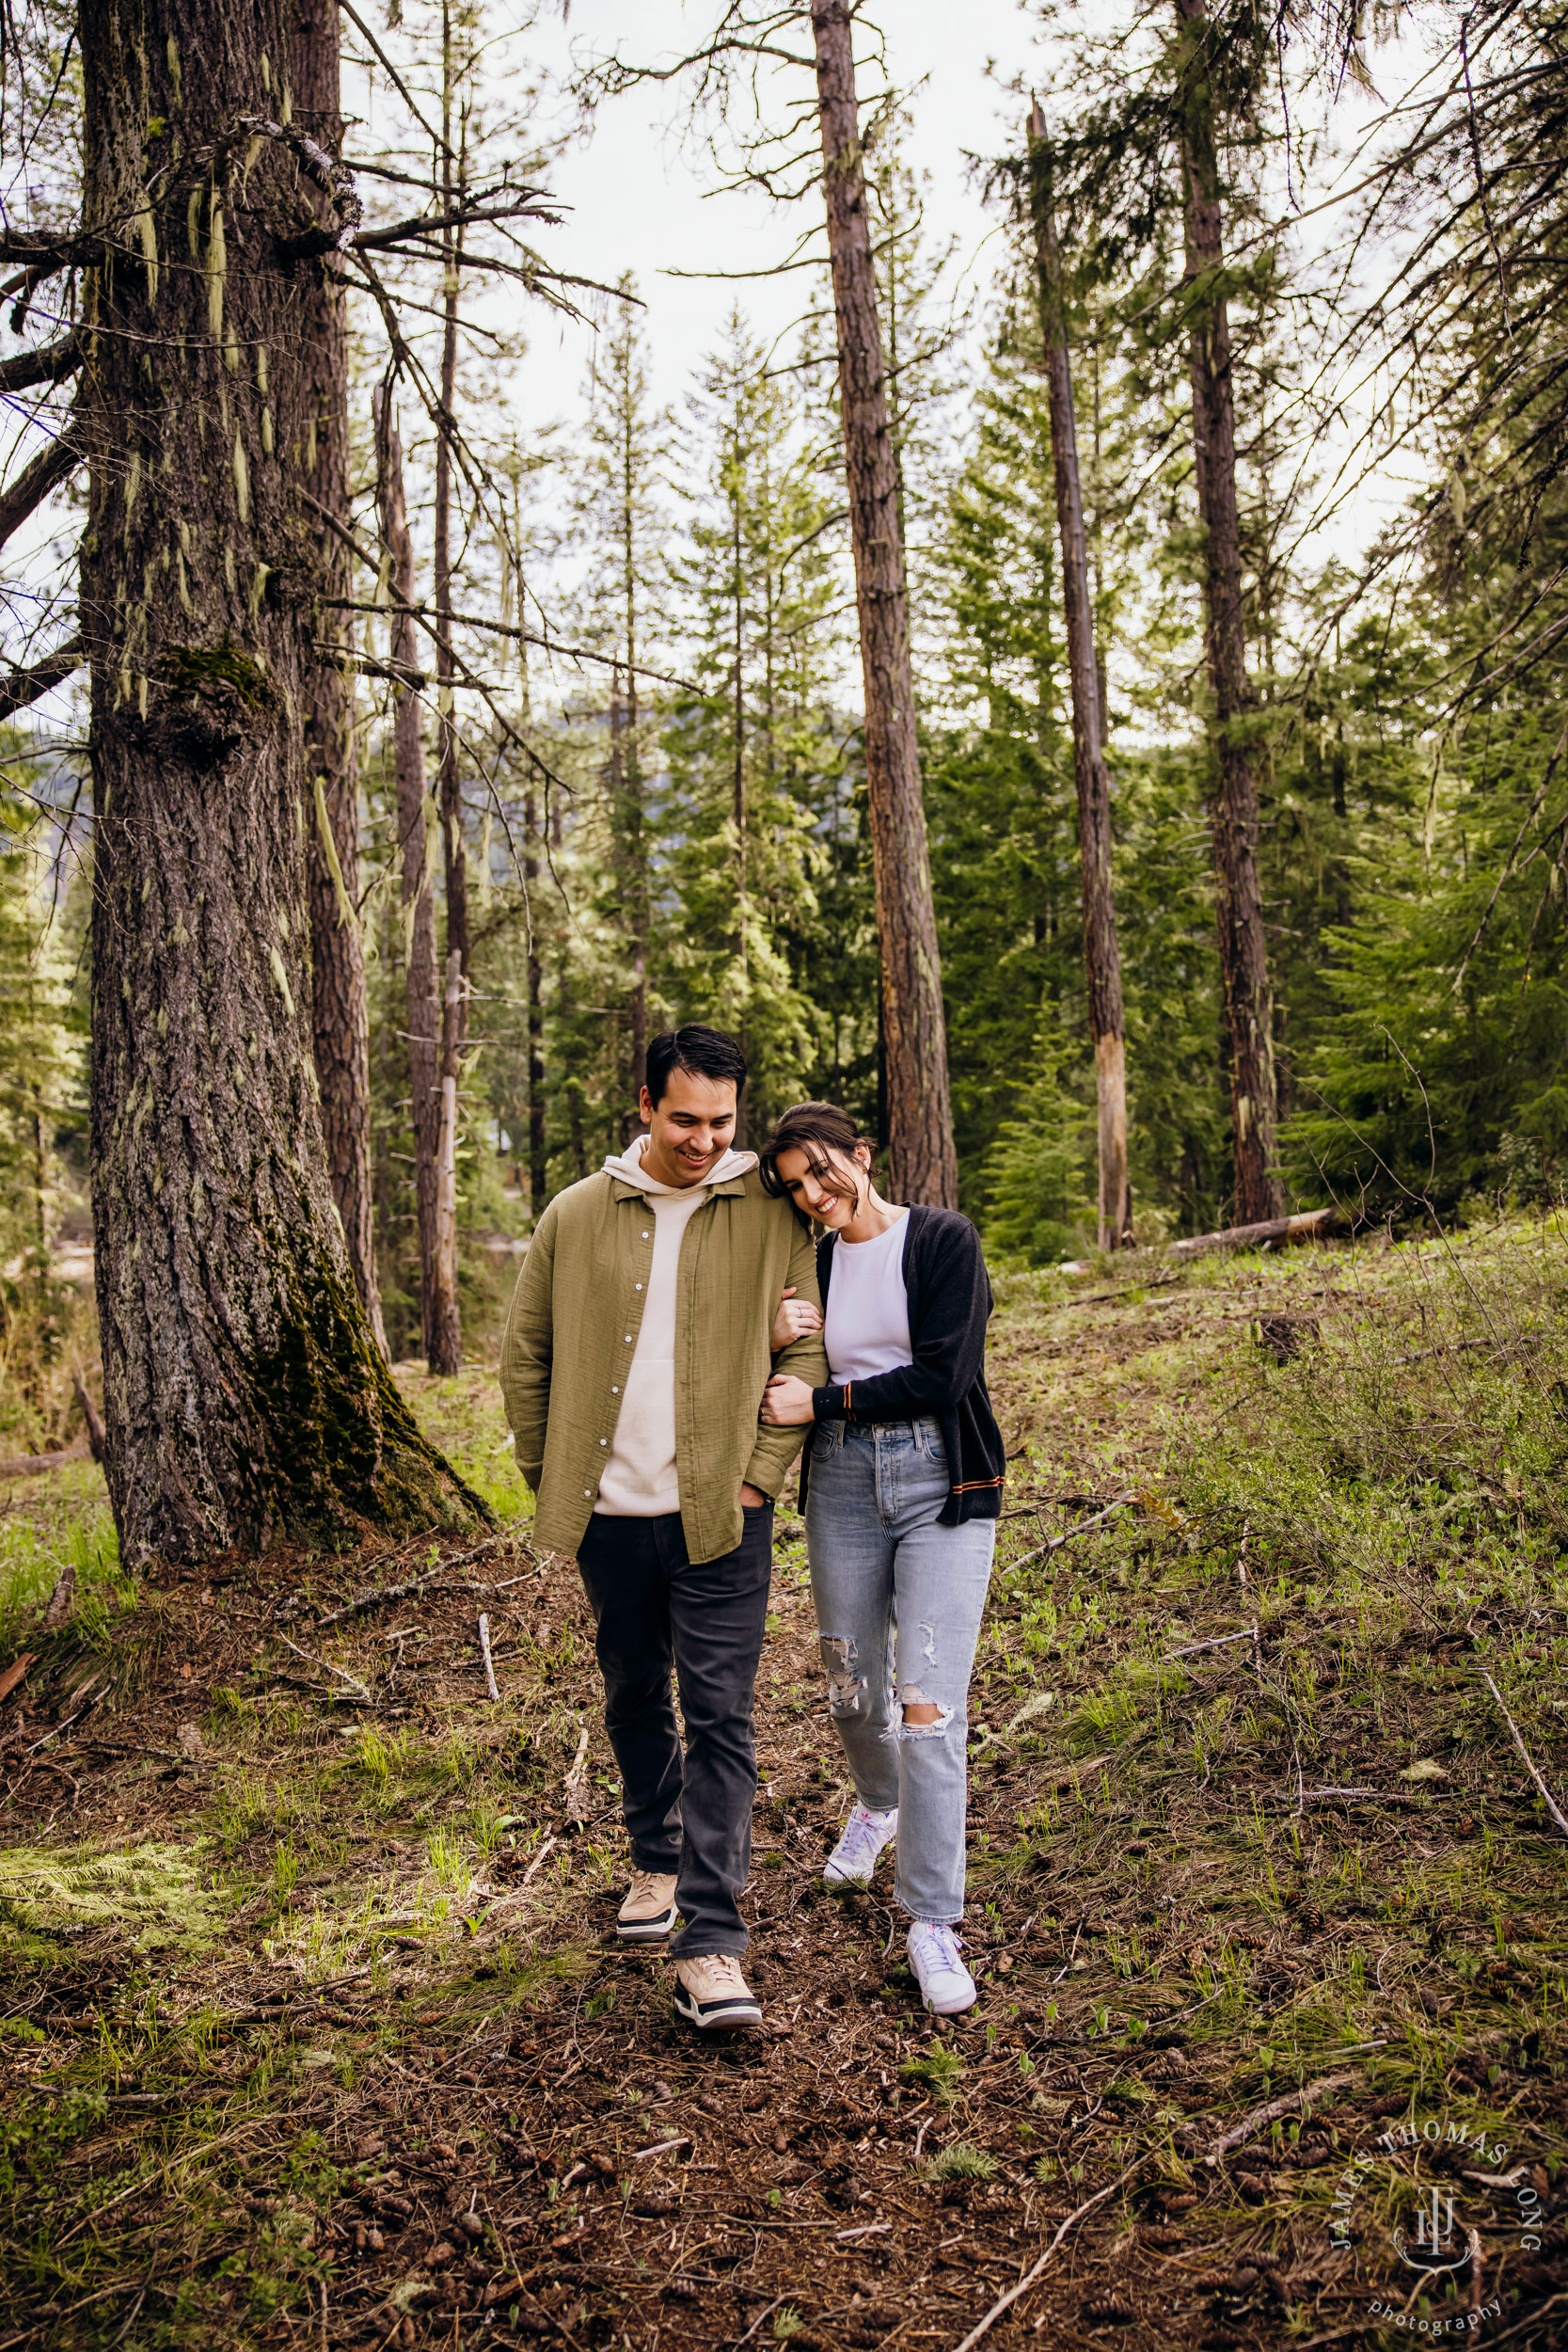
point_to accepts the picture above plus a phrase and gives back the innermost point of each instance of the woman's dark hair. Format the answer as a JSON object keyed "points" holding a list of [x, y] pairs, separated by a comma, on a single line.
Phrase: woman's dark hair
{"points": [[701, 1052], [815, 1129]]}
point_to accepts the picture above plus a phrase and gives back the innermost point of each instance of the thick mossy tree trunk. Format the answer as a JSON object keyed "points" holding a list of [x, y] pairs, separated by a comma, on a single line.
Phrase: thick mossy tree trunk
{"points": [[340, 1014], [924, 1160], [1233, 801], [245, 1397]]}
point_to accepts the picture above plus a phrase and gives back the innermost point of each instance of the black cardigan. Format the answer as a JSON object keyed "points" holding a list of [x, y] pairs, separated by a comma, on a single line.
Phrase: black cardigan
{"points": [[950, 1302]]}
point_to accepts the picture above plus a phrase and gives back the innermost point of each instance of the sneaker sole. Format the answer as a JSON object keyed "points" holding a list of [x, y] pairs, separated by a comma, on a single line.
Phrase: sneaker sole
{"points": [[646, 1931], [950, 2009], [845, 1878], [719, 2016]]}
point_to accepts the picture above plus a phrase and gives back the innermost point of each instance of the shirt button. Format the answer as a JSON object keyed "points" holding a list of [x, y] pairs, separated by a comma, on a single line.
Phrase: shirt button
{"points": [[614, 1391], [604, 1441], [628, 1339], [588, 1494], [644, 1236], [639, 1285]]}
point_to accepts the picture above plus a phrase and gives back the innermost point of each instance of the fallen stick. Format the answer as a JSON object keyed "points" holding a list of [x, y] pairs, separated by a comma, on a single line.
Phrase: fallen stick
{"points": [[1548, 1799], [344, 1675], [1221, 1640], [1352, 1796], [663, 2147], [411, 1584], [575, 1785], [1270, 2114], [1055, 1543], [1005, 2302], [485, 1653], [537, 1860]]}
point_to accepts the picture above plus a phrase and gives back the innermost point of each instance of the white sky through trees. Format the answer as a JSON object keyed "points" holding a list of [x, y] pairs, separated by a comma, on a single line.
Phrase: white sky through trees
{"points": [[636, 186]]}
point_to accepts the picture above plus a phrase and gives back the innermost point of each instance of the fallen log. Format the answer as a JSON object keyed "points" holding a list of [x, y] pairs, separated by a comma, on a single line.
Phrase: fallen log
{"points": [[30, 1465], [1310, 1226]]}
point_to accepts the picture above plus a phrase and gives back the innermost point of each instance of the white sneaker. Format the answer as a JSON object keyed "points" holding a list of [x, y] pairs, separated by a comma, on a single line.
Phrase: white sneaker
{"points": [[854, 1859], [711, 1992], [946, 1984], [648, 1911]]}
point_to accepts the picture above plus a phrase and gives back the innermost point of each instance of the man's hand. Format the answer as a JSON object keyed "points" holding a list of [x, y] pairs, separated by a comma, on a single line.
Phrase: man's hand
{"points": [[793, 1319], [751, 1498], [787, 1402]]}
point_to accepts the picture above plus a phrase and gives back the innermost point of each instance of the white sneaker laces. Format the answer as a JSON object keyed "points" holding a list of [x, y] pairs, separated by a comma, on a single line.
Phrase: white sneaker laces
{"points": [[940, 1947], [864, 1836]]}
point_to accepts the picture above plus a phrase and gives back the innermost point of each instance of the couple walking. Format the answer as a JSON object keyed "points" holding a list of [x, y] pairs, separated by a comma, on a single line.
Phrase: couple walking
{"points": [[674, 1340]]}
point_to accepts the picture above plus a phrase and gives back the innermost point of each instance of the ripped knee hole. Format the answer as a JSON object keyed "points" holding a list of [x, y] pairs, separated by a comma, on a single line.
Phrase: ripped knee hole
{"points": [[921, 1718], [847, 1693]]}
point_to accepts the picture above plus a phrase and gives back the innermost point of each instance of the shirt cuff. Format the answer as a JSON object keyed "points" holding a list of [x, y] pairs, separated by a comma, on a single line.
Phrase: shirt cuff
{"points": [[832, 1402]]}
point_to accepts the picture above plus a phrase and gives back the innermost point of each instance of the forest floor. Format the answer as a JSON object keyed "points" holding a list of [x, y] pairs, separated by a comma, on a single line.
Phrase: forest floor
{"points": [[315, 2029]]}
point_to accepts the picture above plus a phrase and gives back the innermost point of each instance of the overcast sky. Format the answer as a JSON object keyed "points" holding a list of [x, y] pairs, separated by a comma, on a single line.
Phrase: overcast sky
{"points": [[638, 188]]}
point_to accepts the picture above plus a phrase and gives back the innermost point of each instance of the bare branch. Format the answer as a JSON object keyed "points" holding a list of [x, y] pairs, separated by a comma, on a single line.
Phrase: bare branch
{"points": [[46, 365], [33, 484], [30, 685], [397, 81]]}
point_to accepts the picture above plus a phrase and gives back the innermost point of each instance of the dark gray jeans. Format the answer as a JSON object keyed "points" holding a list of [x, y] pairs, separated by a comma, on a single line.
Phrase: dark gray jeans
{"points": [[654, 1610]]}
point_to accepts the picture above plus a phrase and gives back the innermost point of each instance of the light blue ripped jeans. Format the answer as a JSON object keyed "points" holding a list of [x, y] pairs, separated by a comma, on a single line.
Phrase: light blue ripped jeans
{"points": [[899, 1601]]}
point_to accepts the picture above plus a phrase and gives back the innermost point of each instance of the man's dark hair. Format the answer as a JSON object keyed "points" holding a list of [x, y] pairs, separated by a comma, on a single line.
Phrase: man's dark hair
{"points": [[701, 1052]]}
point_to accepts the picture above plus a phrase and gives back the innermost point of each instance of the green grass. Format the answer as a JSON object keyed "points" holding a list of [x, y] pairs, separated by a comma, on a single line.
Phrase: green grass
{"points": [[1189, 1930]]}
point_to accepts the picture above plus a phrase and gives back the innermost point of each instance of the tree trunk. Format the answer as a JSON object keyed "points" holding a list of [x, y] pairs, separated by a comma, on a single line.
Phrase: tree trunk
{"points": [[1233, 811], [244, 1396], [341, 1019], [421, 1007], [449, 778], [637, 908], [1102, 955], [445, 1329], [920, 1123], [537, 1157]]}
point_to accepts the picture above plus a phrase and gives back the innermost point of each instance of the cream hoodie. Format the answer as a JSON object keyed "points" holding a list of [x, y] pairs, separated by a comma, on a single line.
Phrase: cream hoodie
{"points": [[638, 1479]]}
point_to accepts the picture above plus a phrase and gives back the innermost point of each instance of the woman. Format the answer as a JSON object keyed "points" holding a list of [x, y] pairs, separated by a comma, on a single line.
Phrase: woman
{"points": [[902, 1484]]}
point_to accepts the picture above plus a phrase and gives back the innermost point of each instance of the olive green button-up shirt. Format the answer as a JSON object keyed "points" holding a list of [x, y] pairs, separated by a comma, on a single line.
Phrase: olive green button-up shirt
{"points": [[571, 1330]]}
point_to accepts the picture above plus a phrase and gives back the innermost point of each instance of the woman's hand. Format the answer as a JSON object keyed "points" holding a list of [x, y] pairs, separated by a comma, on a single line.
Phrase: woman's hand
{"points": [[787, 1402], [794, 1318]]}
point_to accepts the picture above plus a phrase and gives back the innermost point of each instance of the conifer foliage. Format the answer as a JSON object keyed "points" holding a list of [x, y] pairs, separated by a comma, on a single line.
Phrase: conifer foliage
{"points": [[1007, 721]]}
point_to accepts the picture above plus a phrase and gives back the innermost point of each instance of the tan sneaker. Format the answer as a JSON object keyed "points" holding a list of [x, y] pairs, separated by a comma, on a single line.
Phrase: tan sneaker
{"points": [[649, 1911], [712, 1993]]}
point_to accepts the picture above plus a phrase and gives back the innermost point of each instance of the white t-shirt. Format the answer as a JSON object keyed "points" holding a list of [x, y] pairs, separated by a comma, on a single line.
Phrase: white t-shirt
{"points": [[866, 1328], [640, 1480]]}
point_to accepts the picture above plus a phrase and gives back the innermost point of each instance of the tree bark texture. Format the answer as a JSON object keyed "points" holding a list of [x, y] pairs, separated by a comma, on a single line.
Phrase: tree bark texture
{"points": [[417, 847], [920, 1123], [341, 1017], [538, 1162], [1233, 807], [244, 1396], [449, 778], [1102, 953]]}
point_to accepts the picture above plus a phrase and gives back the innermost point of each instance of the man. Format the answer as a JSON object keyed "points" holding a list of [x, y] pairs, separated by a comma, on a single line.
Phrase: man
{"points": [[633, 1368]]}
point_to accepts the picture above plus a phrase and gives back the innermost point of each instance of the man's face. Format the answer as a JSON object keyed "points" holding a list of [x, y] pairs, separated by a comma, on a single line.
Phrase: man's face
{"points": [[690, 1129]]}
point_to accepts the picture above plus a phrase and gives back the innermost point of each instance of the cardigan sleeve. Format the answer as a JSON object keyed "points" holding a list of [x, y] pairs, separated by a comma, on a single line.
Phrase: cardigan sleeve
{"points": [[955, 1303]]}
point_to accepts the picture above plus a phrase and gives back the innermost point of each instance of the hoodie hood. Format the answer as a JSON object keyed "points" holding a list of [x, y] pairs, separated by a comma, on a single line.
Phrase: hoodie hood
{"points": [[627, 1166]]}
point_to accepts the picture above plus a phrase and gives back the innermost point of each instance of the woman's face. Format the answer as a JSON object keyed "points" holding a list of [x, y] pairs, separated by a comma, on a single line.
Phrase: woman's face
{"points": [[797, 1173]]}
